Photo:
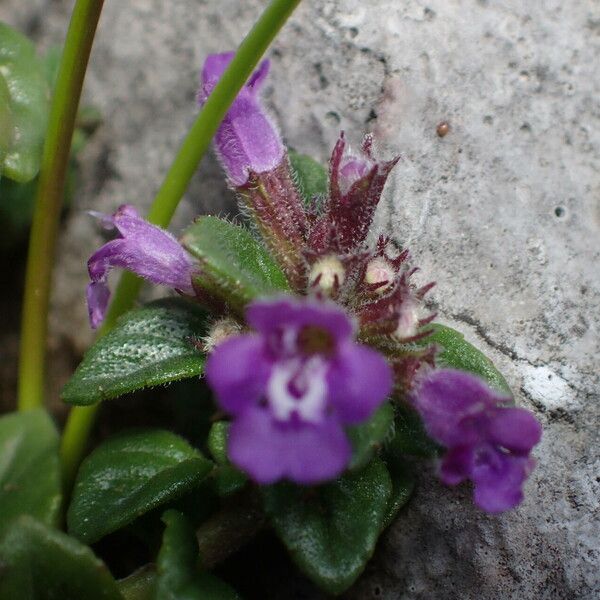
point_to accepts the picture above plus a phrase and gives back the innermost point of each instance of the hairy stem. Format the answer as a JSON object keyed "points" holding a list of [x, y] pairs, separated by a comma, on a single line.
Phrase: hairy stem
{"points": [[42, 243], [174, 185]]}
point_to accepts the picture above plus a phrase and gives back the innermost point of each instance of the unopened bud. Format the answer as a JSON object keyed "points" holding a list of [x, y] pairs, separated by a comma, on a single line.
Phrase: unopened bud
{"points": [[408, 323], [380, 272], [219, 332], [327, 274]]}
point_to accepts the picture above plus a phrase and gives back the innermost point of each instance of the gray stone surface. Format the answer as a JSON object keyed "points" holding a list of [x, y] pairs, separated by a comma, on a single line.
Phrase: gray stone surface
{"points": [[504, 212]]}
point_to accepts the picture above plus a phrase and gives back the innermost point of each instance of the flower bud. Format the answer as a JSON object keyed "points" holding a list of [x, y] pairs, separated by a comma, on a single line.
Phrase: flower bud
{"points": [[380, 275], [219, 331], [408, 322], [327, 274]]}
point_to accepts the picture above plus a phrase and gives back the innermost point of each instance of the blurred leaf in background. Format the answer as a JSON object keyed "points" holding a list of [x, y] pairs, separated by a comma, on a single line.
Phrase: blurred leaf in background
{"points": [[26, 83]]}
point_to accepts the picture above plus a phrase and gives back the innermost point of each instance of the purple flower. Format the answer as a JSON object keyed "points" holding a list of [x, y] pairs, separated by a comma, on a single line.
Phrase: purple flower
{"points": [[488, 441], [144, 249], [247, 140], [292, 386]]}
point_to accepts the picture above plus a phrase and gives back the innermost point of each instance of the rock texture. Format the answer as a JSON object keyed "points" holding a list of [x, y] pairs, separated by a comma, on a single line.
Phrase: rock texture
{"points": [[504, 212]]}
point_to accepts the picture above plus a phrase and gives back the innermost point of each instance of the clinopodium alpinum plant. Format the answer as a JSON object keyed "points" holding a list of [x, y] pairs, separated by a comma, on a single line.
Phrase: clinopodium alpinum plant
{"points": [[329, 384], [326, 369]]}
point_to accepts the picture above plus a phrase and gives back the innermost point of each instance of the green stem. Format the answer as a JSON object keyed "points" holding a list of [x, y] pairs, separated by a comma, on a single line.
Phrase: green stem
{"points": [[171, 192], [42, 243]]}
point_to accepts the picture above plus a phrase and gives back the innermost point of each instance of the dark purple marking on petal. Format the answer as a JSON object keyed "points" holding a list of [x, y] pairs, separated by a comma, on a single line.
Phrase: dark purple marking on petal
{"points": [[273, 316]]}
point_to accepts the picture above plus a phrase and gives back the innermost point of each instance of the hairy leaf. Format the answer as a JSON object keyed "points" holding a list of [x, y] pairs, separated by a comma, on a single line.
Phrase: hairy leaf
{"points": [[235, 267], [457, 353], [128, 476], [369, 436], [149, 346], [331, 530]]}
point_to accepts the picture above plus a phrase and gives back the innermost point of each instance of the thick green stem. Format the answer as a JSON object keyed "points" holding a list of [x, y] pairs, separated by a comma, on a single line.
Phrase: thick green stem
{"points": [[173, 188], [49, 199]]}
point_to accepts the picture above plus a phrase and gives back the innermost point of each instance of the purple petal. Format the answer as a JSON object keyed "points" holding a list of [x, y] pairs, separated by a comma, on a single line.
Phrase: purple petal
{"points": [[145, 249], [455, 466], [449, 400], [247, 140], [359, 381], [213, 68], [271, 316], [238, 372], [269, 451], [515, 429], [98, 295], [499, 479], [352, 170]]}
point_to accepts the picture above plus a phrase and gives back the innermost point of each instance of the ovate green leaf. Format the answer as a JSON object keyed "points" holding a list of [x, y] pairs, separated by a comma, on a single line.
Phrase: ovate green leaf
{"points": [[148, 346], [29, 469], [369, 436], [228, 479], [23, 75], [457, 353], [40, 563], [235, 266], [331, 530], [128, 476]]}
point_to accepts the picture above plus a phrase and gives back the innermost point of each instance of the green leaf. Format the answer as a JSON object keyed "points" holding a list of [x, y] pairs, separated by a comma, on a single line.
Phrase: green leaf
{"points": [[228, 479], [369, 436], [235, 266], [6, 122], [403, 485], [331, 531], [40, 563], [24, 76], [410, 436], [178, 574], [459, 354], [311, 176], [128, 476], [29, 469], [148, 346]]}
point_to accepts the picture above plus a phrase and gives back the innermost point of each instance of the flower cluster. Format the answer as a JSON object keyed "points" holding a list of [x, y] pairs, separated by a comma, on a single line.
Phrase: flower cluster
{"points": [[309, 365]]}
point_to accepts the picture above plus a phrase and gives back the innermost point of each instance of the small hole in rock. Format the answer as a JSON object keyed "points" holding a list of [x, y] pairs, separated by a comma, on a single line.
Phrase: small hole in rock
{"points": [[333, 118], [559, 211]]}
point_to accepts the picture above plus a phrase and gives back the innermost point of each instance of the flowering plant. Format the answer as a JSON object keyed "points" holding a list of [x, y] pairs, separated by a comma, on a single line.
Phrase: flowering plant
{"points": [[325, 377]]}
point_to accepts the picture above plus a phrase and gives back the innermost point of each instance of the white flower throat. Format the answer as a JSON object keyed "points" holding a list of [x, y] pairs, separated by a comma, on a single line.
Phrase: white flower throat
{"points": [[298, 386]]}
